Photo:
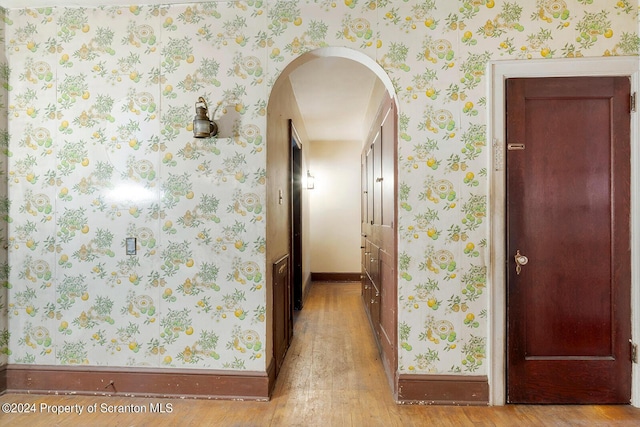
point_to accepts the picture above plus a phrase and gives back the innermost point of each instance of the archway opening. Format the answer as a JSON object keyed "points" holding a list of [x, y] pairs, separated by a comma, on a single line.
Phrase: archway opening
{"points": [[328, 99]]}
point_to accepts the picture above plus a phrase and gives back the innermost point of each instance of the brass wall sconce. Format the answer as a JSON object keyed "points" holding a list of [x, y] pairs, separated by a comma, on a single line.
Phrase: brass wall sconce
{"points": [[203, 127], [310, 181]]}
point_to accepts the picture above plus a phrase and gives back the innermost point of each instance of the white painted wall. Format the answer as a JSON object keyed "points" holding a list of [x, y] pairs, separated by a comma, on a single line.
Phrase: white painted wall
{"points": [[335, 207]]}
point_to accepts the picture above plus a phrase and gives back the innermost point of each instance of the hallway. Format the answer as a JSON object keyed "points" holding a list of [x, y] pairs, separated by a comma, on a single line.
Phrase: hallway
{"points": [[331, 376]]}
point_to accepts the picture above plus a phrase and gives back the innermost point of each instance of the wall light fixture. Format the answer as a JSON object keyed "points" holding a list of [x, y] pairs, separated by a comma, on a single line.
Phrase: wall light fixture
{"points": [[203, 127], [310, 181]]}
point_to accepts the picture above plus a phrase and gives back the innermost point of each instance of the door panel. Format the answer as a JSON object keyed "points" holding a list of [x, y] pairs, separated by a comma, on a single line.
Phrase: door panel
{"points": [[387, 169], [370, 196], [282, 326], [568, 173], [388, 306], [377, 174], [364, 190]]}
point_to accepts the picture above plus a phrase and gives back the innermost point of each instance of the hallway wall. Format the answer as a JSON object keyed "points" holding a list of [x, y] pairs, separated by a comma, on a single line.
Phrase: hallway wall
{"points": [[335, 206], [282, 108], [99, 109]]}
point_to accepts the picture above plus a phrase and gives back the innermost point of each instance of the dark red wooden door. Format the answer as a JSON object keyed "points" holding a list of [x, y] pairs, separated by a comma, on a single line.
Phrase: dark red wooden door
{"points": [[568, 190]]}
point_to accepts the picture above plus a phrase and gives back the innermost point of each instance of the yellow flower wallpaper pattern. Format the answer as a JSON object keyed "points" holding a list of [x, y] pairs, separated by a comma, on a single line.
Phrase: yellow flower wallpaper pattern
{"points": [[98, 146]]}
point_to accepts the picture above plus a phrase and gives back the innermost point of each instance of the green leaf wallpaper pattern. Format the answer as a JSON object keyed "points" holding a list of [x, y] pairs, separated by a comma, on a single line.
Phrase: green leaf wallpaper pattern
{"points": [[97, 146]]}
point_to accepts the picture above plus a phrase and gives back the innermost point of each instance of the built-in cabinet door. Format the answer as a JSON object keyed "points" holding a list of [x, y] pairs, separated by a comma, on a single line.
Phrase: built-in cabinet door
{"points": [[387, 170], [363, 252], [373, 262], [377, 179], [372, 291], [387, 254], [364, 190], [379, 289], [374, 311], [388, 306], [369, 164]]}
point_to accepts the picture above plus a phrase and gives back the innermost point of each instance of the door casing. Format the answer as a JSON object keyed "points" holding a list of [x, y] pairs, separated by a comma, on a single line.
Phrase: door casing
{"points": [[497, 73], [295, 220]]}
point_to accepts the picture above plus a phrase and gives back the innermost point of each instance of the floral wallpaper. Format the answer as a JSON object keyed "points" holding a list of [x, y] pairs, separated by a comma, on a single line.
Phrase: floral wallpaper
{"points": [[99, 147], [4, 264]]}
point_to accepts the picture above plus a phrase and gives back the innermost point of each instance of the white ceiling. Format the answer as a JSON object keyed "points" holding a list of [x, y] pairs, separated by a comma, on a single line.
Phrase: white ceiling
{"points": [[333, 93], [333, 96]]}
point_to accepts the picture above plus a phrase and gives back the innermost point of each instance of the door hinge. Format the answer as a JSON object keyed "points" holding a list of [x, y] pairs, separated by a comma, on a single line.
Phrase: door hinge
{"points": [[634, 351], [633, 102]]}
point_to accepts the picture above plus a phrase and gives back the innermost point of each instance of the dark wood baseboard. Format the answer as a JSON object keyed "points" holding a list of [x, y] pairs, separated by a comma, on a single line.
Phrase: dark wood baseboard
{"points": [[271, 375], [335, 277], [3, 379], [142, 382], [443, 390]]}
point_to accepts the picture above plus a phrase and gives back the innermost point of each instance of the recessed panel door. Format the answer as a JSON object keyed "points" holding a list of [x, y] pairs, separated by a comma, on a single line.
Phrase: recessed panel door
{"points": [[568, 240]]}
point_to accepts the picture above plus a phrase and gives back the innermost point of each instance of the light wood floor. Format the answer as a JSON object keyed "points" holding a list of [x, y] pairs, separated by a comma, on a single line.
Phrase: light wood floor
{"points": [[332, 376]]}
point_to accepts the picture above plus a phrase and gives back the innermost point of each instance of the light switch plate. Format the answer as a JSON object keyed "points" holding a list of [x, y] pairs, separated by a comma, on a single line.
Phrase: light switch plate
{"points": [[131, 245]]}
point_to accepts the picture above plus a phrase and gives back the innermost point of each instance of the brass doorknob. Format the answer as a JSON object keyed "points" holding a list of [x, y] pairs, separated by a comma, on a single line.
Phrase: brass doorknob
{"points": [[520, 261]]}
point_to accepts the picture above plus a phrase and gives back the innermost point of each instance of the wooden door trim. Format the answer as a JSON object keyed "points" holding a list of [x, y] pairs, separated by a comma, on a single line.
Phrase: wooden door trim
{"points": [[498, 72]]}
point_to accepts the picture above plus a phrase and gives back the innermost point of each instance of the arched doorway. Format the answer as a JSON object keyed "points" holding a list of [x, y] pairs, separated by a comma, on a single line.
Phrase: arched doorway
{"points": [[286, 107]]}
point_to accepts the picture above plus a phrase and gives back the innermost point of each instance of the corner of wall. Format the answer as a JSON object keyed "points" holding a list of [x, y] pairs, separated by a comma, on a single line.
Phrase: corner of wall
{"points": [[4, 318]]}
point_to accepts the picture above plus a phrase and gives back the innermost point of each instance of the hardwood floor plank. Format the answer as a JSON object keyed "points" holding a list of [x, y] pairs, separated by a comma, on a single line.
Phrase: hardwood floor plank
{"points": [[332, 376]]}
